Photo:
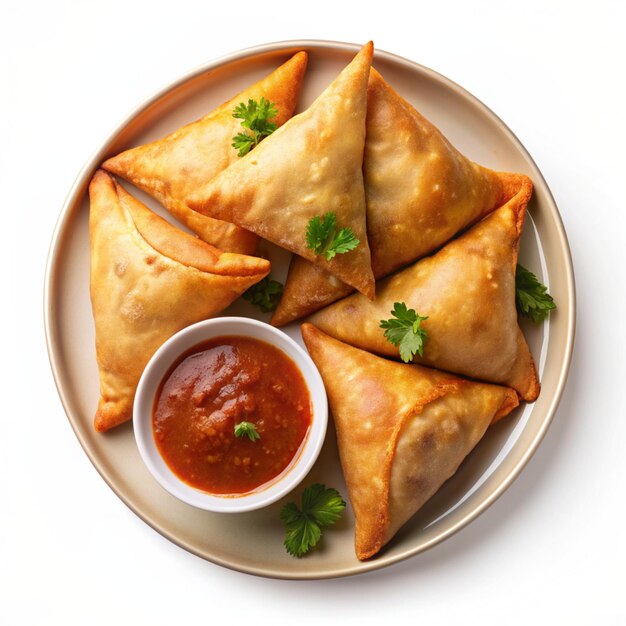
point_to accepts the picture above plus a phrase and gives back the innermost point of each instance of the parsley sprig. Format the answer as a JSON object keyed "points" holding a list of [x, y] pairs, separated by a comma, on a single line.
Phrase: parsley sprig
{"points": [[255, 116], [323, 237], [532, 297], [405, 331], [321, 506], [265, 294], [243, 429]]}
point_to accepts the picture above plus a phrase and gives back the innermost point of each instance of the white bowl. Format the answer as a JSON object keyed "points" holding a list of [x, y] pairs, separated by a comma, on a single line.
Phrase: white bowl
{"points": [[158, 367]]}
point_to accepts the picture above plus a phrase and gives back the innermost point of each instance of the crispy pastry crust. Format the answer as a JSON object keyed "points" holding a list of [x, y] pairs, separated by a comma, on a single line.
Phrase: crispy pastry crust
{"points": [[420, 191], [148, 280], [402, 431], [172, 168], [310, 166], [467, 291]]}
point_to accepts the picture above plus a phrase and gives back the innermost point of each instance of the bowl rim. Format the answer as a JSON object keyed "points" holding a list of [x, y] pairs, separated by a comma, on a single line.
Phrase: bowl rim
{"points": [[77, 189], [160, 364]]}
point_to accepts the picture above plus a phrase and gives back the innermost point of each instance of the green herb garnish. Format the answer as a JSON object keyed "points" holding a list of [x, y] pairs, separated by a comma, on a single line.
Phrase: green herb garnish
{"points": [[405, 332], [531, 297], [255, 116], [247, 428], [320, 507], [265, 294], [323, 237]]}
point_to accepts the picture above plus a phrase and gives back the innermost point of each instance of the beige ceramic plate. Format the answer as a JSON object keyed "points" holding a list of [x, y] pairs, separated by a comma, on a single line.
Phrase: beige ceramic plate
{"points": [[252, 542]]}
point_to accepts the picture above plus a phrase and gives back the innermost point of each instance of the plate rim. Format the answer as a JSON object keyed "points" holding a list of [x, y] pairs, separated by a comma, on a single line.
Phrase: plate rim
{"points": [[78, 186]]}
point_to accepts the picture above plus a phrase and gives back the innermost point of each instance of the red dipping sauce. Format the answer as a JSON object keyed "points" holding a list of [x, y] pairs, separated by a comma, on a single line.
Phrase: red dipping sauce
{"points": [[212, 388]]}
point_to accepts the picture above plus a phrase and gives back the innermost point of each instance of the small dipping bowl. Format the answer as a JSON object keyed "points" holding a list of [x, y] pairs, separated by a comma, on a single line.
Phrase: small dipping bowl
{"points": [[160, 365]]}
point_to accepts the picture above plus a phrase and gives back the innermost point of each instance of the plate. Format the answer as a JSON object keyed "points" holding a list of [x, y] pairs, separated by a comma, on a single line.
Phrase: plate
{"points": [[252, 542]]}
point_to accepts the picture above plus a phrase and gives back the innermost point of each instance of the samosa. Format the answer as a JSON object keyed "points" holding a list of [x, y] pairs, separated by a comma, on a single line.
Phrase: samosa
{"points": [[402, 431], [172, 168], [148, 280], [419, 192], [467, 292], [308, 168]]}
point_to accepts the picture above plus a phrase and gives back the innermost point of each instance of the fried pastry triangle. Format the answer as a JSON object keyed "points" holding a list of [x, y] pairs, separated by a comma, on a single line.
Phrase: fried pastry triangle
{"points": [[402, 431], [173, 167], [307, 168], [467, 291], [419, 190], [148, 280]]}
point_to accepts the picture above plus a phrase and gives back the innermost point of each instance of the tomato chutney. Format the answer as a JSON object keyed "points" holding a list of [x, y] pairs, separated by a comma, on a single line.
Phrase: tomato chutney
{"points": [[216, 386]]}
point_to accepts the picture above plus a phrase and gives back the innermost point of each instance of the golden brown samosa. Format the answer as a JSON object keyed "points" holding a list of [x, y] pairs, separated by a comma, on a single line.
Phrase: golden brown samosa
{"points": [[309, 167], [467, 291], [171, 168], [419, 191], [148, 280], [402, 431]]}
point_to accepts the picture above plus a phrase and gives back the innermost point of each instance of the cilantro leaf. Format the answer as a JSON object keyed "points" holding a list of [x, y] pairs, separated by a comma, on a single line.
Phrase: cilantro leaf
{"points": [[255, 116], [321, 507], [318, 230], [405, 331], [301, 533], [244, 143], [324, 505], [532, 297], [265, 294], [344, 242], [323, 238], [248, 429]]}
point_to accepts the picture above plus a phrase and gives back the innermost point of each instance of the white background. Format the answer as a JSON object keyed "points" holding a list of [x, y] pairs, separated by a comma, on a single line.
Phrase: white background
{"points": [[550, 551]]}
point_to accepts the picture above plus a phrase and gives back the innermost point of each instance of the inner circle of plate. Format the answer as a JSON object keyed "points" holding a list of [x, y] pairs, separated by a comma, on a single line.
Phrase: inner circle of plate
{"points": [[252, 542]]}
